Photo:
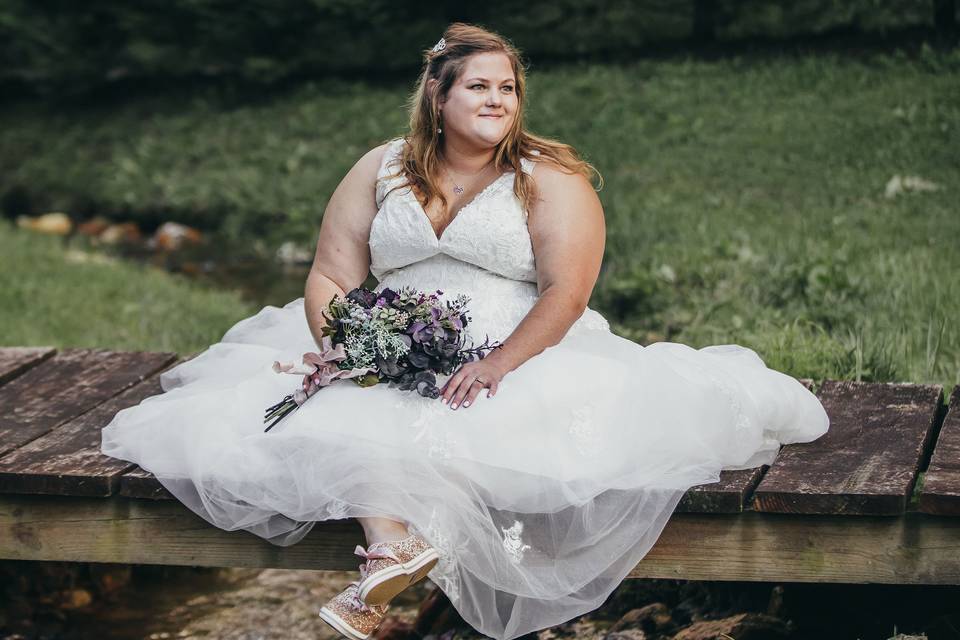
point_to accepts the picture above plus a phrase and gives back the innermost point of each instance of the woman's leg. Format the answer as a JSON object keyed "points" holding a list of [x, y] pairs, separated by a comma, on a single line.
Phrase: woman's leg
{"points": [[382, 529]]}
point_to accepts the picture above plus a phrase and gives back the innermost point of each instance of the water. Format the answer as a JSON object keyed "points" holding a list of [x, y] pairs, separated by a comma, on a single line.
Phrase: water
{"points": [[219, 264]]}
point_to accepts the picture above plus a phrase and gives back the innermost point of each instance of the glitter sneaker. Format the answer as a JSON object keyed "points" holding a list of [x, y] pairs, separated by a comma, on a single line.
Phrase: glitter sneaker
{"points": [[350, 615], [392, 566]]}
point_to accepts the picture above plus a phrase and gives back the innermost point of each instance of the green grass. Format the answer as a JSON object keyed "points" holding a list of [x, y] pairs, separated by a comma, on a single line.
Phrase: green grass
{"points": [[744, 197], [67, 297]]}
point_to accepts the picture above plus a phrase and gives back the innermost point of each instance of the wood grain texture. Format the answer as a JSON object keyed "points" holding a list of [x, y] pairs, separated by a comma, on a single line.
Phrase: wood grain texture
{"points": [[14, 361], [940, 493], [67, 385], [67, 460], [118, 529], [137, 483], [729, 495], [867, 461], [913, 549]]}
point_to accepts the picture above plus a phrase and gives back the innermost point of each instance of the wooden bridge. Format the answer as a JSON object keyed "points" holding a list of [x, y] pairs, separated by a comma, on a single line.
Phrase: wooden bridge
{"points": [[875, 500]]}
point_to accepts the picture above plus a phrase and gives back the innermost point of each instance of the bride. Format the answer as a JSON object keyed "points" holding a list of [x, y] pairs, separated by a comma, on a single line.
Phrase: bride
{"points": [[545, 471]]}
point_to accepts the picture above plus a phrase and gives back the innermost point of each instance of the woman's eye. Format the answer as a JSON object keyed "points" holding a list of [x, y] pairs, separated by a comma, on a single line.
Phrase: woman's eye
{"points": [[510, 88]]}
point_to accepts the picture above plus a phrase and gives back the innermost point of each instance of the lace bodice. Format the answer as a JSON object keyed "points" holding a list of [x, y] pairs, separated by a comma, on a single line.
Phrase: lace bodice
{"points": [[484, 252]]}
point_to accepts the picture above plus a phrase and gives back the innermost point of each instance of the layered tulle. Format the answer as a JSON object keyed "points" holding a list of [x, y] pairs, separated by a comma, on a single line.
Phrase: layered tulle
{"points": [[540, 500]]}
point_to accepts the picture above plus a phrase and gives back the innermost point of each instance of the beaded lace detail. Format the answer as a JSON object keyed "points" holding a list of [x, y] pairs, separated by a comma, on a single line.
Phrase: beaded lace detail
{"points": [[513, 542], [583, 427], [485, 252], [437, 532], [428, 428]]}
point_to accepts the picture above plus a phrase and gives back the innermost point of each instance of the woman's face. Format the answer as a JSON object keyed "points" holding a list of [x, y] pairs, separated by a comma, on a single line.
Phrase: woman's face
{"points": [[480, 107]]}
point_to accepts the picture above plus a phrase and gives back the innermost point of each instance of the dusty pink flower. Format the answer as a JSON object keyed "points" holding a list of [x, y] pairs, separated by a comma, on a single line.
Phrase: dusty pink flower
{"points": [[319, 369]]}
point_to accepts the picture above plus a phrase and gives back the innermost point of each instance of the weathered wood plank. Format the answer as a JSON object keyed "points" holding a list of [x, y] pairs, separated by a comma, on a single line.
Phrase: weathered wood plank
{"points": [[766, 547], [14, 361], [729, 495], [913, 549], [137, 483], [67, 460], [732, 493], [118, 529], [866, 463], [940, 493], [67, 385]]}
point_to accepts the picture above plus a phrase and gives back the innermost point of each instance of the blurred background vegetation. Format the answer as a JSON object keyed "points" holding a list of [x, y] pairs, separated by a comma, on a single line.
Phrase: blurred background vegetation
{"points": [[781, 175], [59, 46]]}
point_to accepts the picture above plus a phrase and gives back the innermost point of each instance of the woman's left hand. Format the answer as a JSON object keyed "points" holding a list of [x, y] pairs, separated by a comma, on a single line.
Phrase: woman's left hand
{"points": [[464, 385]]}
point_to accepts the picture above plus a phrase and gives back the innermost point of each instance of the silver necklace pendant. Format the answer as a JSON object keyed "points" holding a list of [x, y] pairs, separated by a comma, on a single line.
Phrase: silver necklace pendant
{"points": [[457, 189]]}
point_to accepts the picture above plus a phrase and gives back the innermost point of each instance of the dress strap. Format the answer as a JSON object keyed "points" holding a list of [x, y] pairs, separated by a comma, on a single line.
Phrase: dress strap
{"points": [[387, 166], [528, 164]]}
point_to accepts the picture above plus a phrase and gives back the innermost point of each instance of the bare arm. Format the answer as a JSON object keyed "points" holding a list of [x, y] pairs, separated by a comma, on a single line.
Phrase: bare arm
{"points": [[568, 232], [342, 259]]}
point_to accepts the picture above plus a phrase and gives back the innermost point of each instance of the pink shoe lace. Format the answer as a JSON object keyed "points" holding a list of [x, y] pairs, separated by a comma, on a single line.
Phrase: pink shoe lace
{"points": [[368, 554], [354, 599], [382, 552]]}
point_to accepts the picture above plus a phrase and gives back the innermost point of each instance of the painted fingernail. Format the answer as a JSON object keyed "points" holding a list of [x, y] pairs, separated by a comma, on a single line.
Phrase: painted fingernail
{"points": [[466, 403], [444, 400], [453, 406]]}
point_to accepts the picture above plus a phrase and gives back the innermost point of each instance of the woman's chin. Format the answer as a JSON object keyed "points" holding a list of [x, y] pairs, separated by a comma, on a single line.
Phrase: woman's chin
{"points": [[491, 136]]}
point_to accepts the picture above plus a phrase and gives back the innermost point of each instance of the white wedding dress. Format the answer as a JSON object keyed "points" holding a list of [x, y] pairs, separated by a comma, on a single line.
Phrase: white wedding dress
{"points": [[540, 500]]}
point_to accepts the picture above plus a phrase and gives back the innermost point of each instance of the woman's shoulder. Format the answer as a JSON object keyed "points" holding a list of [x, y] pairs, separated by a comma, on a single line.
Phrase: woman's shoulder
{"points": [[387, 153], [375, 157], [546, 167], [367, 171], [560, 182], [382, 152]]}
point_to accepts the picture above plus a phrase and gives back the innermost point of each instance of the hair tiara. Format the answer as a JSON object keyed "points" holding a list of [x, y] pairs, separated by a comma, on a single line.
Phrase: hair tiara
{"points": [[440, 46]]}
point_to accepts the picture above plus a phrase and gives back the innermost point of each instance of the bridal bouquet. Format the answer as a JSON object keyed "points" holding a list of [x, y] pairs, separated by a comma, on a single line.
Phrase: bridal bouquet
{"points": [[404, 338]]}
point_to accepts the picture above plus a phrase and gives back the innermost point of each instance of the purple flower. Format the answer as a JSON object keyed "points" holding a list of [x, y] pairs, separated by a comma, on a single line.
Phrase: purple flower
{"points": [[434, 346], [388, 295], [364, 297], [420, 332]]}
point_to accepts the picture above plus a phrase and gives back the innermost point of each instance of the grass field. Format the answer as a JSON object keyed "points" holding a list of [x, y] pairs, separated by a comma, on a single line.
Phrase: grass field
{"points": [[63, 296], [745, 202]]}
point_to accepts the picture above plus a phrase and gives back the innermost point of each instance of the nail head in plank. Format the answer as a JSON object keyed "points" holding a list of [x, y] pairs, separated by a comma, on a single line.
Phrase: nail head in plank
{"points": [[867, 461], [940, 493], [14, 361], [67, 385]]}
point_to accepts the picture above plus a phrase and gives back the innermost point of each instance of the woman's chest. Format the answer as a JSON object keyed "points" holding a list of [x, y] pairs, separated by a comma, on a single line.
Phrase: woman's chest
{"points": [[490, 232]]}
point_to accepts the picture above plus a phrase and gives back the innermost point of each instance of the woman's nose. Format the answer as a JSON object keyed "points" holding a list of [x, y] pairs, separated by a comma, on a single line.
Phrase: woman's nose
{"points": [[493, 97]]}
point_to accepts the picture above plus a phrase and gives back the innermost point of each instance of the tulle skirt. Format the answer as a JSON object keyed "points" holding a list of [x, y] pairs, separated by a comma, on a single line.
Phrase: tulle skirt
{"points": [[539, 500]]}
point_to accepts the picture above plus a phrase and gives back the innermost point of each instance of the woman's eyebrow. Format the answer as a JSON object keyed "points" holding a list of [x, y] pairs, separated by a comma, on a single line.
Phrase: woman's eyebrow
{"points": [[485, 80]]}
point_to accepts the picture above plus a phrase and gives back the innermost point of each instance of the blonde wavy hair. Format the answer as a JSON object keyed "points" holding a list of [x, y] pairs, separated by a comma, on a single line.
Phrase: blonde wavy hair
{"points": [[419, 159]]}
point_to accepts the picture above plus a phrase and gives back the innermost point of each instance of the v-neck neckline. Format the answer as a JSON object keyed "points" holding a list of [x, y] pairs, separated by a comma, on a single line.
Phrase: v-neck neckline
{"points": [[426, 218]]}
